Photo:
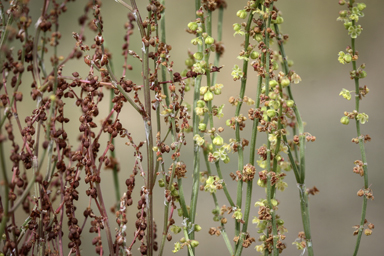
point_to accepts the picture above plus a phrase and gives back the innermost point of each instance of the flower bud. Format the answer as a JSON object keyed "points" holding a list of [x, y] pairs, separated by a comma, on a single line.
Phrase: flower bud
{"points": [[347, 58], [261, 183], [271, 113], [236, 26], [343, 13], [209, 40], [242, 14], [189, 62], [218, 141], [200, 104], [197, 228], [290, 103], [254, 55], [363, 74], [194, 243], [272, 95], [161, 183], [361, 6], [198, 55], [285, 82], [273, 83], [344, 120], [193, 26], [203, 90], [202, 127], [279, 20], [226, 160], [228, 122], [208, 96]]}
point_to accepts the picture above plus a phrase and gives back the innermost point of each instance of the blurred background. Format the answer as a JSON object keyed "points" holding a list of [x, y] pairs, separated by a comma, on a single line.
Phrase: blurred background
{"points": [[315, 40]]}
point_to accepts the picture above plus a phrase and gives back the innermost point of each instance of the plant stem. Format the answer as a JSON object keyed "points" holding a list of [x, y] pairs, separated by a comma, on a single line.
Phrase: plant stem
{"points": [[219, 38], [240, 160], [196, 147], [361, 146], [298, 171], [6, 190]]}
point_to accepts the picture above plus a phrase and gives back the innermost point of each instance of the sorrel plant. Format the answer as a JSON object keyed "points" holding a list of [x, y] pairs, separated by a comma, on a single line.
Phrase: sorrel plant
{"points": [[50, 166]]}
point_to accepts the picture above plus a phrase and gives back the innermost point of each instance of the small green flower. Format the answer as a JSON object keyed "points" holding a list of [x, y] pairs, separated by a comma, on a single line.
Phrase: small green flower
{"points": [[344, 120], [199, 140], [290, 103], [299, 246], [354, 31], [194, 243], [175, 229], [177, 247], [202, 127], [198, 68], [346, 94], [210, 184], [209, 40], [217, 89], [200, 104], [281, 185], [341, 57], [208, 96], [362, 74], [193, 26], [197, 41], [242, 14], [296, 78], [259, 203], [260, 248], [237, 214], [218, 141], [243, 58], [271, 113], [220, 113], [236, 27], [362, 117], [254, 55], [361, 6], [237, 73], [258, 37], [198, 55], [285, 82]]}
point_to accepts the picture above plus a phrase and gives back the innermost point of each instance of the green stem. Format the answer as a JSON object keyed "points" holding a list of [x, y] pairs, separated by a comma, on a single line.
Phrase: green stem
{"points": [[298, 171], [240, 159], [219, 38], [361, 147], [190, 249], [196, 147], [248, 199]]}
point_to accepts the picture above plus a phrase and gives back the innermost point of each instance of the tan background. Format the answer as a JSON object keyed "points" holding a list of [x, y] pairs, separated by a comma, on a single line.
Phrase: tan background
{"points": [[315, 40]]}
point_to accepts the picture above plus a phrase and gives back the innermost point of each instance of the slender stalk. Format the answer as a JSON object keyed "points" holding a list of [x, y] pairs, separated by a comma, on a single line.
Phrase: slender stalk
{"points": [[361, 144], [240, 159], [248, 199], [196, 147], [5, 196], [219, 38], [299, 171]]}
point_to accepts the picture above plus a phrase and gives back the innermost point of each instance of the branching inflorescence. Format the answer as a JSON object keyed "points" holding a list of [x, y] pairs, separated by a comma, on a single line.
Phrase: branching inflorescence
{"points": [[350, 17], [48, 161]]}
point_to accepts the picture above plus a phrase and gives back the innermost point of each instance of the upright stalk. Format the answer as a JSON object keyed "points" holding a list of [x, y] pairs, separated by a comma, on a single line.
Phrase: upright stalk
{"points": [[361, 143], [298, 170]]}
